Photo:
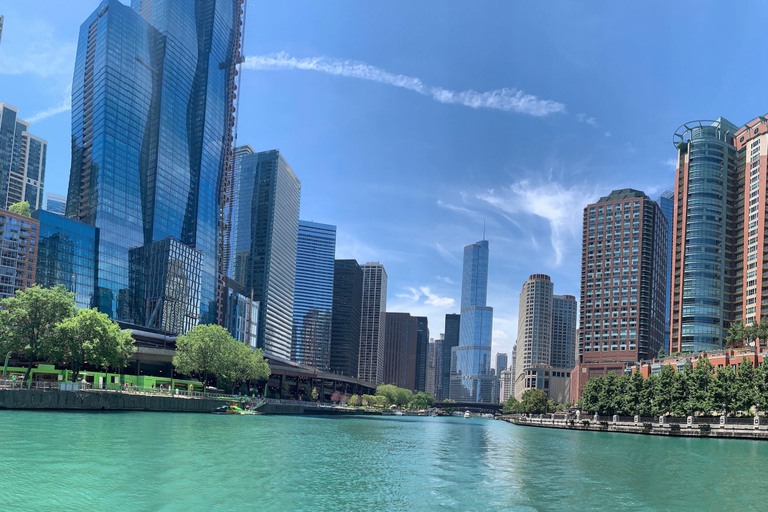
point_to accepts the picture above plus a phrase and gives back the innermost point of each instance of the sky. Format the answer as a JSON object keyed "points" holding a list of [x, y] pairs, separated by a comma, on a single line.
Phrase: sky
{"points": [[413, 124]]}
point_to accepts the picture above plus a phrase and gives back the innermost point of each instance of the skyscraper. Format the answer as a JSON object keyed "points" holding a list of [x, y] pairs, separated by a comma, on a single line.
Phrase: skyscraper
{"points": [[55, 203], [313, 295], [471, 376], [152, 104], [269, 194], [564, 340], [22, 161], [242, 209], [666, 202], [18, 243], [501, 363], [373, 319], [623, 270], [450, 340], [345, 323], [429, 385], [422, 346], [400, 350]]}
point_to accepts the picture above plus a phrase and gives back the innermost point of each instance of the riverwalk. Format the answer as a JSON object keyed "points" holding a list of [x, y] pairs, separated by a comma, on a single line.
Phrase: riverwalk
{"points": [[691, 426]]}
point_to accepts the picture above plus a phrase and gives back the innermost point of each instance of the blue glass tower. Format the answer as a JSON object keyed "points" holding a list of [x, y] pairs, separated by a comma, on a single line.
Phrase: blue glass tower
{"points": [[151, 130], [471, 376], [666, 202], [313, 295]]}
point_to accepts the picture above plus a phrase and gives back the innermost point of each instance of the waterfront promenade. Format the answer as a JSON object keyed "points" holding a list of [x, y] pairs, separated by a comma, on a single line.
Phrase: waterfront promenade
{"points": [[692, 426]]}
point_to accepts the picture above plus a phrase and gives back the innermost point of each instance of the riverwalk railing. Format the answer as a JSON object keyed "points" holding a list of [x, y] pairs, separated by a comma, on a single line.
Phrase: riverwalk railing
{"points": [[20, 384]]}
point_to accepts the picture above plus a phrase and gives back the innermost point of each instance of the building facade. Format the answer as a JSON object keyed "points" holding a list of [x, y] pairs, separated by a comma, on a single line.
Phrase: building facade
{"points": [[564, 339], [471, 376], [506, 385], [268, 211], [422, 347], [429, 386], [400, 350], [623, 285], [313, 295], [345, 323], [152, 103], [501, 363], [18, 248], [450, 340], [666, 202], [22, 161], [373, 323], [66, 255], [56, 203]]}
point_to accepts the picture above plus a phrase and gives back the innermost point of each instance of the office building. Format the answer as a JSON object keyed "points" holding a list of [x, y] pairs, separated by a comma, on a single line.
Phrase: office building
{"points": [[18, 247], [400, 350], [471, 376], [450, 340], [55, 203], [666, 202], [373, 318], [22, 161], [513, 360], [269, 192], [506, 385], [422, 346], [345, 321], [152, 117], [429, 386], [66, 255], [241, 314], [242, 203], [501, 363], [313, 295], [564, 340], [623, 290]]}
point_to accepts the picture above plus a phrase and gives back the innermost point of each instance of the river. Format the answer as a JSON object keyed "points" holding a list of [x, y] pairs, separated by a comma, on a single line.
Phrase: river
{"points": [[156, 461]]}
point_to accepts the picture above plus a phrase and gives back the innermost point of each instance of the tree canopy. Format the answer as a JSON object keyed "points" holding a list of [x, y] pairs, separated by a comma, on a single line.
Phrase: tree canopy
{"points": [[534, 401], [20, 208]]}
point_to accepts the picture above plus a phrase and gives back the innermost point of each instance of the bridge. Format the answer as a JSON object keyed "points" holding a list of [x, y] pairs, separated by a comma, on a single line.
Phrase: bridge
{"points": [[472, 406]]}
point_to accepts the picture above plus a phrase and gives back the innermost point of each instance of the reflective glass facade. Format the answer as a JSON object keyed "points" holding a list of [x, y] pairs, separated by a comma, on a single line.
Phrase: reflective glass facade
{"points": [[267, 210], [422, 347], [472, 378], [66, 255], [345, 324], [450, 341], [150, 131], [56, 203], [18, 252], [22, 161], [666, 202], [313, 295]]}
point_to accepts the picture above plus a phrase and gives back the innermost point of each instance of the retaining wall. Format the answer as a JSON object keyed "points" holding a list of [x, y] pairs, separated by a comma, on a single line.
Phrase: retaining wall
{"points": [[102, 401]]}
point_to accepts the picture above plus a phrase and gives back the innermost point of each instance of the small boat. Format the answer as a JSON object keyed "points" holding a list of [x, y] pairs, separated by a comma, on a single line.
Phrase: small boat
{"points": [[231, 409], [467, 415], [398, 413]]}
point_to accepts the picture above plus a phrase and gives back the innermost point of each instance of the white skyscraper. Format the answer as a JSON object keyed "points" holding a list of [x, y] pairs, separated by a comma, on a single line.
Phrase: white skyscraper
{"points": [[373, 323]]}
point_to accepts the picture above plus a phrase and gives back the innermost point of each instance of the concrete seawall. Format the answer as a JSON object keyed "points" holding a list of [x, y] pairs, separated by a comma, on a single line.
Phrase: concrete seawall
{"points": [[687, 428], [101, 401]]}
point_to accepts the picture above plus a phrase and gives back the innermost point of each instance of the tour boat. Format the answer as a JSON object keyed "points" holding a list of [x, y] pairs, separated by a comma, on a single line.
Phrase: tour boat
{"points": [[467, 415]]}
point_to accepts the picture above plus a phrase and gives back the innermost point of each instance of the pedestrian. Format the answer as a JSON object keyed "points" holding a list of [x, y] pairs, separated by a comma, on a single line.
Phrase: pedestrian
{"points": [[83, 384]]}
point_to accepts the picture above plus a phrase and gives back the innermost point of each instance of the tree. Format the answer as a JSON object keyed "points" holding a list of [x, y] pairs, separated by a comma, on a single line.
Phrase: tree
{"points": [[663, 401], [590, 396], [90, 336], [724, 388], [750, 334], [354, 400], [745, 387], [736, 334], [662, 353], [28, 321], [634, 390], [336, 397], [241, 363], [700, 381], [682, 398], [511, 406], [389, 391], [534, 401], [201, 351], [648, 400], [20, 208], [403, 397], [422, 400], [609, 397], [761, 386], [762, 331]]}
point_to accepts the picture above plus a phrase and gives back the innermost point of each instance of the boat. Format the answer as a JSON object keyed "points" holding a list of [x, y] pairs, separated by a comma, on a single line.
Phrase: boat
{"points": [[398, 413], [467, 415], [231, 409]]}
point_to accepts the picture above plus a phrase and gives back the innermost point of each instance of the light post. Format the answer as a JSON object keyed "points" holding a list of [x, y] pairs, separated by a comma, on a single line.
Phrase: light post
{"points": [[5, 367], [725, 413]]}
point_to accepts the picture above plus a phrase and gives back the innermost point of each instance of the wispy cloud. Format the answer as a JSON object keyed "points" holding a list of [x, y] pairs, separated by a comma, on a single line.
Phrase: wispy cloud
{"points": [[31, 48], [65, 105], [499, 335], [671, 162], [560, 206], [446, 280], [412, 295], [446, 254], [435, 300], [583, 118], [506, 99]]}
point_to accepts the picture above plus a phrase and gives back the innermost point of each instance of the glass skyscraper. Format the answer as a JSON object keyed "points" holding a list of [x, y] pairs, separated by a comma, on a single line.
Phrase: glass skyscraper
{"points": [[450, 340], [267, 217], [471, 376], [151, 129], [313, 295], [56, 203], [345, 324], [22, 161], [666, 202], [66, 255]]}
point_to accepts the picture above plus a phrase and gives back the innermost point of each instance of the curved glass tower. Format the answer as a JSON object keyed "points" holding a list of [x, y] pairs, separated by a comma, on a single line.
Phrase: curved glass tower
{"points": [[471, 376], [705, 226]]}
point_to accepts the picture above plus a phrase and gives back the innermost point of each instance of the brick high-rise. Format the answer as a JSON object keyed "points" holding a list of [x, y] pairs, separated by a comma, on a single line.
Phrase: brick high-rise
{"points": [[623, 290]]}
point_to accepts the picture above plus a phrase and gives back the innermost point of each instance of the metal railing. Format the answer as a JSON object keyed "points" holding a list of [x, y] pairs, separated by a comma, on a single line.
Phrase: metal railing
{"points": [[20, 384]]}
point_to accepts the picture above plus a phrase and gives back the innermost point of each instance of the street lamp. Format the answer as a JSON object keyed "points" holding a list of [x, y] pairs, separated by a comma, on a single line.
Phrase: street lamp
{"points": [[724, 411]]}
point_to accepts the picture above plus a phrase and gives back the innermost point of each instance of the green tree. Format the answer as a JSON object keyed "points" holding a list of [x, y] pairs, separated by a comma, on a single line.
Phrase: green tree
{"points": [[590, 396], [534, 401], [90, 336], [736, 334], [682, 398], [750, 334], [634, 393], [663, 401], [761, 385], [403, 397], [354, 400], [511, 406], [241, 363], [389, 391], [201, 352], [724, 388], [20, 208], [745, 387], [662, 353], [28, 321], [699, 383], [610, 395], [762, 331], [648, 396], [422, 400]]}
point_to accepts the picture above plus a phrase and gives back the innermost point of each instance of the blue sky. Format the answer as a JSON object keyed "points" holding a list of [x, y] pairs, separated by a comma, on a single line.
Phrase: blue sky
{"points": [[411, 123]]}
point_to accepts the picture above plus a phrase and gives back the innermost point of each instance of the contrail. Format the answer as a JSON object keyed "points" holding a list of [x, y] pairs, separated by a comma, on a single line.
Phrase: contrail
{"points": [[506, 99]]}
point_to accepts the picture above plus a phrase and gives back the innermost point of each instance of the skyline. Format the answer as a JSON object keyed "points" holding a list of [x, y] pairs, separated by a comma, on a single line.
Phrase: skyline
{"points": [[428, 168]]}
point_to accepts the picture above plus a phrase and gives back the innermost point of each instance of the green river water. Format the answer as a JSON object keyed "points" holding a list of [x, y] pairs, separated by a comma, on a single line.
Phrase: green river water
{"points": [[155, 461]]}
